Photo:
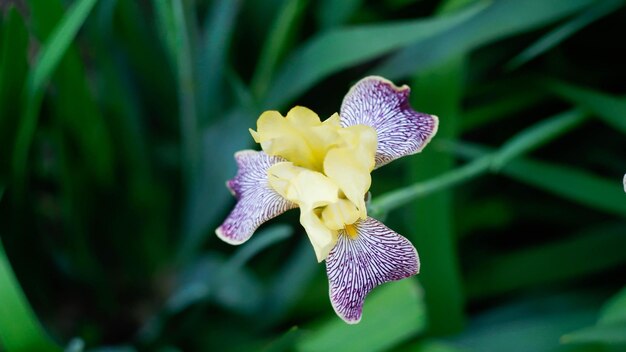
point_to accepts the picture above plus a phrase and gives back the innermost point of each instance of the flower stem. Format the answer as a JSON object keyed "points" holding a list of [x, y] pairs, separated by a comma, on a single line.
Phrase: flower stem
{"points": [[525, 141], [402, 196]]}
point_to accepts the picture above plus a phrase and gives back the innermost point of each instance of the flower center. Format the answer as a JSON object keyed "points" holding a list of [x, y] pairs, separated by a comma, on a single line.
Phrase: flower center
{"points": [[327, 172]]}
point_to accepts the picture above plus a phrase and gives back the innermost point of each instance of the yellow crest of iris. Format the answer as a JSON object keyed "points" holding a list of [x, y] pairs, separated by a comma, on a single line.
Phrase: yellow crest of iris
{"points": [[327, 172]]}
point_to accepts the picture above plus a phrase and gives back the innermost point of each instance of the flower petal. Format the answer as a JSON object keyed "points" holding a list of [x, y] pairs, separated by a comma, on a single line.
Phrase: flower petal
{"points": [[322, 238], [300, 137], [375, 101], [359, 263], [310, 190], [349, 166], [257, 202]]}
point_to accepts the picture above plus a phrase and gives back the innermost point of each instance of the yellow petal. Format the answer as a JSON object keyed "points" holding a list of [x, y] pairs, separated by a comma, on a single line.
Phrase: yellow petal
{"points": [[339, 214], [322, 238], [304, 187], [280, 137], [349, 167], [364, 140], [300, 137]]}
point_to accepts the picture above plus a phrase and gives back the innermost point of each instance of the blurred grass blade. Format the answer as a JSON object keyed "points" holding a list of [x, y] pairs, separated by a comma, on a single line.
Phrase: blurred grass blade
{"points": [[563, 32], [614, 310], [431, 346], [564, 181], [209, 199], [217, 36], [504, 159], [58, 43], [13, 68], [320, 57], [258, 243], [429, 222], [570, 183], [19, 328], [503, 18], [46, 62], [392, 313], [401, 196], [537, 135], [610, 109], [504, 106], [284, 342], [332, 13], [283, 28], [290, 283], [172, 22], [614, 335], [537, 265], [529, 324]]}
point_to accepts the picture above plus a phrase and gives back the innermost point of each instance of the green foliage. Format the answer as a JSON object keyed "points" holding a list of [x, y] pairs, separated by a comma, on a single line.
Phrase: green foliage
{"points": [[400, 300], [118, 124]]}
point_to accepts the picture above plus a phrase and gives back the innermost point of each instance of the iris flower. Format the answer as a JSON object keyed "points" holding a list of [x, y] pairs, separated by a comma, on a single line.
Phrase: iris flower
{"points": [[324, 169]]}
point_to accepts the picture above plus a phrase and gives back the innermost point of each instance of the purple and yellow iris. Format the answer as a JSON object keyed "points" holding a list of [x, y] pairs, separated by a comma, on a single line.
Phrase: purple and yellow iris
{"points": [[324, 169]]}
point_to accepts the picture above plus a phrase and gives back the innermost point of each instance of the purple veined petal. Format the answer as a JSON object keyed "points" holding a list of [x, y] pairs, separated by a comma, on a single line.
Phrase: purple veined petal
{"points": [[356, 265], [376, 102], [257, 202]]}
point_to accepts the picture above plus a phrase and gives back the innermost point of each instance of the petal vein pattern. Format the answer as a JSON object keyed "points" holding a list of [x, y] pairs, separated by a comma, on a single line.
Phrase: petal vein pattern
{"points": [[358, 264], [257, 202], [376, 102]]}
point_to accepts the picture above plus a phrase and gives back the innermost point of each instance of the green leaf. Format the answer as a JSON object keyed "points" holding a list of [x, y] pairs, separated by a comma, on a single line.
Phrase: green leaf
{"points": [[392, 313], [220, 141], [537, 266], [290, 283], [282, 30], [614, 334], [320, 57], [610, 109], [564, 31], [401, 196], [614, 310], [430, 222], [529, 324], [46, 62], [331, 13], [172, 21], [431, 346], [502, 107], [258, 243], [13, 66], [570, 183], [285, 342], [537, 135], [213, 57], [501, 19], [19, 328]]}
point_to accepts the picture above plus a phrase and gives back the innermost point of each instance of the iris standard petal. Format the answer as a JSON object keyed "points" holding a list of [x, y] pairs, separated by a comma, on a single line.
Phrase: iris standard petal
{"points": [[365, 256], [257, 202], [300, 137], [349, 166], [374, 101]]}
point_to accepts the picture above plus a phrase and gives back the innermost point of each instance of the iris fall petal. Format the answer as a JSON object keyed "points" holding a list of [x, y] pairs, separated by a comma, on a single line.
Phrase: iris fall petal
{"points": [[360, 262], [257, 202], [376, 102]]}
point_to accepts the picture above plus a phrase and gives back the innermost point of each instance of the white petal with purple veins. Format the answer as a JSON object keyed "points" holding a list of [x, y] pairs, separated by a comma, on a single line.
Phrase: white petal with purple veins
{"points": [[359, 263], [376, 102], [257, 202]]}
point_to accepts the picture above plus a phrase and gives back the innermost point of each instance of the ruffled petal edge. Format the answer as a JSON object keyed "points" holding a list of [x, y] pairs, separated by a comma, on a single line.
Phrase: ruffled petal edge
{"points": [[377, 102]]}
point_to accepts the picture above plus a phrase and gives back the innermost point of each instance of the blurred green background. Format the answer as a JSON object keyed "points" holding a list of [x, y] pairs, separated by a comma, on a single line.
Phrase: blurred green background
{"points": [[118, 124]]}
